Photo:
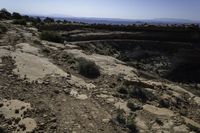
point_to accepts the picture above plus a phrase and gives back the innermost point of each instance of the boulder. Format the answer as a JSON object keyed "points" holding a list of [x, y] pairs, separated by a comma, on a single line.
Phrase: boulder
{"points": [[181, 129], [163, 112], [192, 124]]}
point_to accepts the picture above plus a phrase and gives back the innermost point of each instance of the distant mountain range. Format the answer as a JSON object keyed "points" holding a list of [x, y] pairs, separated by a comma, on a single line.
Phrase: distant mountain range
{"points": [[174, 20], [157, 21]]}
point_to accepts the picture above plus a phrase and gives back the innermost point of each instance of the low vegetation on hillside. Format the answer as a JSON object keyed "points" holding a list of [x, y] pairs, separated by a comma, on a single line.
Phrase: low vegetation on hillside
{"points": [[88, 68], [181, 32], [125, 121], [51, 36], [2, 28], [20, 22]]}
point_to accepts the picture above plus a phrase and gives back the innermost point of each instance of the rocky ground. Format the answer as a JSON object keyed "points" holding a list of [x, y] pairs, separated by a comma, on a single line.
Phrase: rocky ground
{"points": [[42, 91]]}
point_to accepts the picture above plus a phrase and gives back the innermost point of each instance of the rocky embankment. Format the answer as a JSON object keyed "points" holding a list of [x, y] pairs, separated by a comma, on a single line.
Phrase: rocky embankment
{"points": [[41, 90]]}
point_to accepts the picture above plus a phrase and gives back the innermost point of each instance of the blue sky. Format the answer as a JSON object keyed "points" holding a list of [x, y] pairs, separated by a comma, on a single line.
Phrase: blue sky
{"points": [[127, 9]]}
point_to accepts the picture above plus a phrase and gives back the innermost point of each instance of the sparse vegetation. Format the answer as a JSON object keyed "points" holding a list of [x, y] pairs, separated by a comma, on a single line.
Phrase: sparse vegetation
{"points": [[135, 91], [164, 103], [20, 22], [2, 29], [51, 36], [138, 93], [88, 68], [16, 15], [18, 18], [133, 106], [68, 58], [123, 89], [159, 121], [46, 50], [121, 119], [193, 128], [2, 130], [4, 14], [48, 20], [126, 121], [131, 123]]}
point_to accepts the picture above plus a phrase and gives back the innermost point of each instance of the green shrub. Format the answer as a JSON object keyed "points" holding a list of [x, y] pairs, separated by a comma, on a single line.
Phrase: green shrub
{"points": [[134, 106], [121, 119], [123, 90], [3, 29], [20, 21], [126, 121], [139, 93], [193, 128], [4, 14], [2, 130], [88, 68], [51, 36], [159, 121], [48, 20], [46, 50], [130, 123], [68, 58], [16, 15], [135, 91]]}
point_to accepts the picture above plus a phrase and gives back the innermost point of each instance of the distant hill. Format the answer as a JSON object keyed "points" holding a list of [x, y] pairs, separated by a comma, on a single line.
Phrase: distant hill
{"points": [[118, 21], [174, 20], [129, 21]]}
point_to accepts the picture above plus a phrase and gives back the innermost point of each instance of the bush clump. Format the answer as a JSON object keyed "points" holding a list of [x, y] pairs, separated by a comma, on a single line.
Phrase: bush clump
{"points": [[88, 68], [140, 92], [3, 29], [2, 130], [51, 36], [4, 14], [20, 21], [131, 125], [16, 15], [134, 106], [121, 119], [49, 20], [126, 121]]}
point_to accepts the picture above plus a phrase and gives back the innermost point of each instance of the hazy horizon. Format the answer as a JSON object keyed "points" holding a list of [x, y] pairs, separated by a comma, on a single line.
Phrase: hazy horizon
{"points": [[129, 9]]}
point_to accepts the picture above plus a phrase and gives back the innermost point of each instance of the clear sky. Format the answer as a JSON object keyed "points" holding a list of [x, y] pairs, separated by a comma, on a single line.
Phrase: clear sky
{"points": [[128, 9]]}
